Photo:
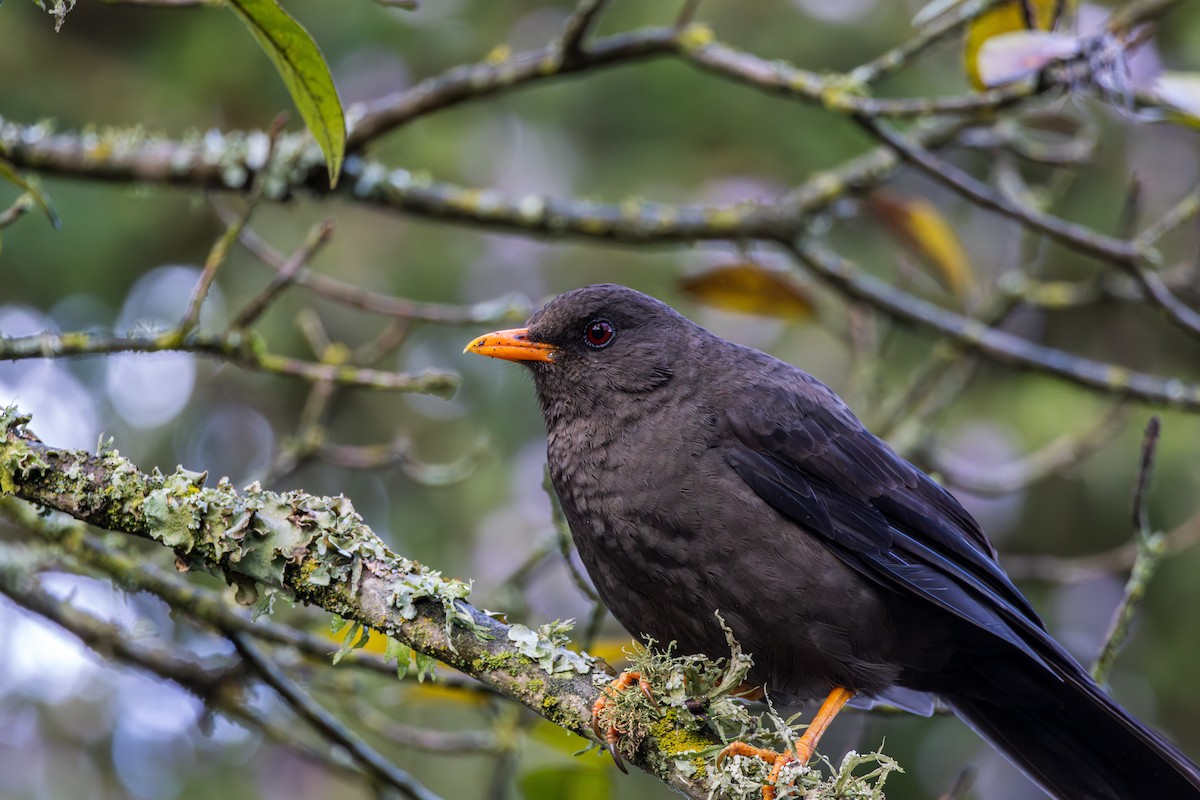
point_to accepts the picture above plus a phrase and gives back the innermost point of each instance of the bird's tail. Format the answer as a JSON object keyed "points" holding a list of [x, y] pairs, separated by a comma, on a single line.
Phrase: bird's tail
{"points": [[1068, 735]]}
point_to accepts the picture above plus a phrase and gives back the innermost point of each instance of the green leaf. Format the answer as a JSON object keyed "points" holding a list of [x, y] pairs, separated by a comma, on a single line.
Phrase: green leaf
{"points": [[400, 653], [304, 72], [9, 173], [426, 666], [348, 643]]}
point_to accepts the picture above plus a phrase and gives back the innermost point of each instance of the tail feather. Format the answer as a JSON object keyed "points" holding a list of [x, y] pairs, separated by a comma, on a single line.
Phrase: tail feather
{"points": [[1070, 737]]}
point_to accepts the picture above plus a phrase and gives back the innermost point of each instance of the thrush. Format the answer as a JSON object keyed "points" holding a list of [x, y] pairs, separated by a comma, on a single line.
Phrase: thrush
{"points": [[700, 476]]}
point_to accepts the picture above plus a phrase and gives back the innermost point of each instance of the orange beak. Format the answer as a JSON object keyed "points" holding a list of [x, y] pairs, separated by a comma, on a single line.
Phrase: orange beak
{"points": [[511, 345]]}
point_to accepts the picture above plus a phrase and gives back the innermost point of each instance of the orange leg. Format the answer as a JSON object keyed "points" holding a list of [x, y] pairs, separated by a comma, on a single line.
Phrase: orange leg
{"points": [[816, 729], [611, 736], [805, 746]]}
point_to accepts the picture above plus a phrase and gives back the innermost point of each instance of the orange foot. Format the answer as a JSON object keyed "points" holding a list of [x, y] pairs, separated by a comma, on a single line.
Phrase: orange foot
{"points": [[611, 736], [805, 746]]}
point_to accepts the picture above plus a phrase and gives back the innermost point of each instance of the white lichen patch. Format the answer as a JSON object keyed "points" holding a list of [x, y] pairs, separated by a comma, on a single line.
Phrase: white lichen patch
{"points": [[545, 646], [857, 777]]}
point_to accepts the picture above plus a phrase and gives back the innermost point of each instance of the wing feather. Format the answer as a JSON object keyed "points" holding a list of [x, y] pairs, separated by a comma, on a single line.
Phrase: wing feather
{"points": [[802, 451]]}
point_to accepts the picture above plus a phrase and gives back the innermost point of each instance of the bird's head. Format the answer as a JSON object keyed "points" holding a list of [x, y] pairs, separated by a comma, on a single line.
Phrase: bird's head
{"points": [[590, 344]]}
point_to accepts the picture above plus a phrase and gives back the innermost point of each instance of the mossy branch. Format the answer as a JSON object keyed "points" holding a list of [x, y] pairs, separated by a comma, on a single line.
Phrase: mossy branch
{"points": [[319, 551]]}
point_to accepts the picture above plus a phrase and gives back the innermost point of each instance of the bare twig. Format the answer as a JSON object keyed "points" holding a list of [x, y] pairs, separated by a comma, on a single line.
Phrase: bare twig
{"points": [[934, 32], [1141, 516], [1107, 379], [286, 274], [962, 784], [1057, 569], [20, 207], [1187, 208], [582, 20], [244, 350], [1060, 454], [216, 256], [1151, 546], [327, 725]]}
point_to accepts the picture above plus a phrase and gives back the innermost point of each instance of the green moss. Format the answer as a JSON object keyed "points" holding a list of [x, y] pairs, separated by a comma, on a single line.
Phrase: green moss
{"points": [[494, 662], [674, 739], [16, 458], [695, 36]]}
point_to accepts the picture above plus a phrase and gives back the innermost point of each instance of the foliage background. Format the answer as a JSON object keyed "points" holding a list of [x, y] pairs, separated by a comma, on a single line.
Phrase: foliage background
{"points": [[73, 726]]}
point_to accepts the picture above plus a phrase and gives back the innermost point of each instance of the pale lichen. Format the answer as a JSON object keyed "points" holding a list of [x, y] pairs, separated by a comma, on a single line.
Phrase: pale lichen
{"points": [[545, 646]]}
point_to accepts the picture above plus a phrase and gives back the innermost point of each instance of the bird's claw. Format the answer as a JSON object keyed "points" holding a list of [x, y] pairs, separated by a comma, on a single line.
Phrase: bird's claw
{"points": [[611, 736], [775, 759]]}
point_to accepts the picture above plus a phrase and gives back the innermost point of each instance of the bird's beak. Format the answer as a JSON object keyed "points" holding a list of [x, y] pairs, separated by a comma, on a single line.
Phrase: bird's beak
{"points": [[511, 345]]}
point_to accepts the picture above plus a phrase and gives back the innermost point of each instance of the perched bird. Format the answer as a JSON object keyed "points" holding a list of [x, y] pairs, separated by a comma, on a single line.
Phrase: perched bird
{"points": [[699, 476]]}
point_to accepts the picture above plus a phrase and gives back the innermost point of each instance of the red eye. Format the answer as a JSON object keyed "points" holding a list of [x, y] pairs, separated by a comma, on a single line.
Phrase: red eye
{"points": [[598, 333]]}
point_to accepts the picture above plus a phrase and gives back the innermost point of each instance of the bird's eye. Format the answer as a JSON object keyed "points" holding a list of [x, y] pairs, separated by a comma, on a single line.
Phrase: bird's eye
{"points": [[598, 333]]}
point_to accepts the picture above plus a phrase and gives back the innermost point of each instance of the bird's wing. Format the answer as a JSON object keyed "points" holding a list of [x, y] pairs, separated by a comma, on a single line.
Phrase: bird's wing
{"points": [[801, 450]]}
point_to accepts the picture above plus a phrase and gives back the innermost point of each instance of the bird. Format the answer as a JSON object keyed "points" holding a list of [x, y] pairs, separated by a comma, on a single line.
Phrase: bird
{"points": [[699, 476]]}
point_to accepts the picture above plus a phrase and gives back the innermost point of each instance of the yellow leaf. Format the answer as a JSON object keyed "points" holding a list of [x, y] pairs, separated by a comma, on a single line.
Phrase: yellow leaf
{"points": [[1012, 16], [920, 227], [750, 288]]}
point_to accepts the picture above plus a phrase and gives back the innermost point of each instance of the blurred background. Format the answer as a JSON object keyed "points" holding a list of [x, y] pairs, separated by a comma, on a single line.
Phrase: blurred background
{"points": [[459, 485]]}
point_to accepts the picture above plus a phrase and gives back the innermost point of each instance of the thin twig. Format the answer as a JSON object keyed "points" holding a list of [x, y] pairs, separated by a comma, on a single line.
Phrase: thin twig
{"points": [[1187, 208], [509, 308], [1057, 569], [317, 237], [20, 207], [234, 348], [1062, 453], [216, 257], [1151, 546], [326, 724], [687, 13], [835, 92], [962, 784], [934, 32], [582, 20], [1141, 515]]}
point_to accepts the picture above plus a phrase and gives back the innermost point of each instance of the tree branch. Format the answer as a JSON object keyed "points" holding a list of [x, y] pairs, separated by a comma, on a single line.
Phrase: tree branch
{"points": [[1109, 379], [236, 347], [318, 550]]}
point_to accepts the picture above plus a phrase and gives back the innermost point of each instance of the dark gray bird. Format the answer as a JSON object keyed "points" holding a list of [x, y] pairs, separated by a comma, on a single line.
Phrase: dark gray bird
{"points": [[699, 476]]}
